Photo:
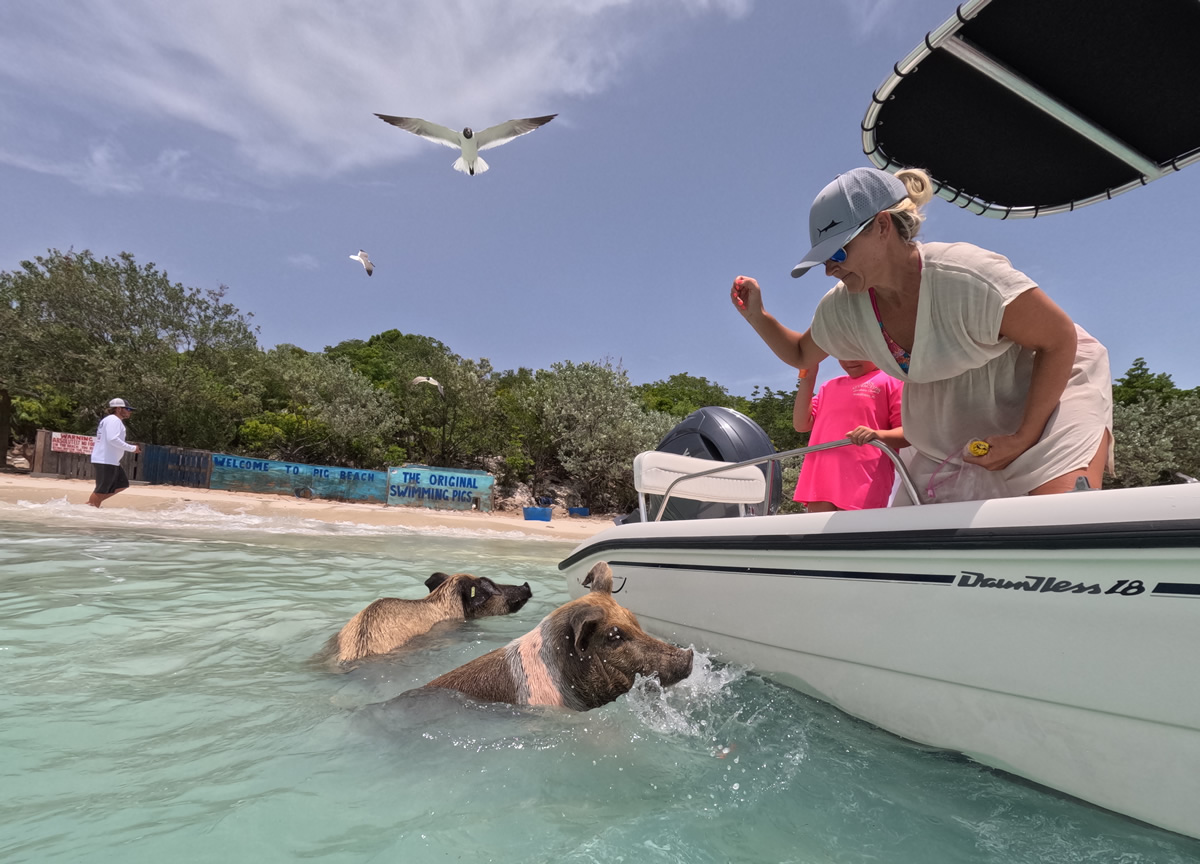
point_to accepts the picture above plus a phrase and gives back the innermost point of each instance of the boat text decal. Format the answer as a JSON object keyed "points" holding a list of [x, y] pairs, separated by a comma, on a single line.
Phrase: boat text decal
{"points": [[1050, 585]]}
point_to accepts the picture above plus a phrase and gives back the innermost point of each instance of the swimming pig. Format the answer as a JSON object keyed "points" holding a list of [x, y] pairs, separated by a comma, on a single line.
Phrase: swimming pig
{"points": [[582, 655], [390, 622]]}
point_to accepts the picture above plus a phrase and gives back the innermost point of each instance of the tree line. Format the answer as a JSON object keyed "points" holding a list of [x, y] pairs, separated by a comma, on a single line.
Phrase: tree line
{"points": [[76, 330]]}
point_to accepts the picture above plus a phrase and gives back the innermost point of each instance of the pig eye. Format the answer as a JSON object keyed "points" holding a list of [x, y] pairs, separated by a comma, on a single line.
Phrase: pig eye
{"points": [[613, 634]]}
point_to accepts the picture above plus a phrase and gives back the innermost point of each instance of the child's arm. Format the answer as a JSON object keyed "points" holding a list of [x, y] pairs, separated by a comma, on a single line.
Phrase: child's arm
{"points": [[893, 437], [802, 418]]}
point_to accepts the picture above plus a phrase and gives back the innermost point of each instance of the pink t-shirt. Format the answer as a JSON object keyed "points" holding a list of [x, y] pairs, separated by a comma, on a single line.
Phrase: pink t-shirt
{"points": [[850, 477]]}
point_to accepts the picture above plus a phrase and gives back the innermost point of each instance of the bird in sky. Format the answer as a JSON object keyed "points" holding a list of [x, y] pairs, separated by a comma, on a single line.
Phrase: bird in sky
{"points": [[362, 258], [467, 141], [425, 379]]}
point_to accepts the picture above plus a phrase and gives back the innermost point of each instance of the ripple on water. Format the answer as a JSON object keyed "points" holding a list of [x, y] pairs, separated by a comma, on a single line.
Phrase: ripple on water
{"points": [[161, 704]]}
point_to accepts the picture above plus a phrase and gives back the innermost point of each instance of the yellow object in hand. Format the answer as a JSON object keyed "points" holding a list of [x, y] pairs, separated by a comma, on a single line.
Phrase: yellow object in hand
{"points": [[979, 448]]}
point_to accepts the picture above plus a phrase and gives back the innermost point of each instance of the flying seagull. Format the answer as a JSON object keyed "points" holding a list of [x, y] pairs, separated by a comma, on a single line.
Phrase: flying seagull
{"points": [[362, 258], [470, 143], [424, 379]]}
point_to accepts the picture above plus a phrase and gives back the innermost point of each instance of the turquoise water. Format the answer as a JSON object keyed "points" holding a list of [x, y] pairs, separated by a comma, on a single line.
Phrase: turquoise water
{"points": [[159, 704]]}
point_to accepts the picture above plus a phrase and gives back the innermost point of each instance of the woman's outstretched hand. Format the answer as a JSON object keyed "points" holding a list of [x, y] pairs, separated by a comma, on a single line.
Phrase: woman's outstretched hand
{"points": [[797, 350], [746, 297]]}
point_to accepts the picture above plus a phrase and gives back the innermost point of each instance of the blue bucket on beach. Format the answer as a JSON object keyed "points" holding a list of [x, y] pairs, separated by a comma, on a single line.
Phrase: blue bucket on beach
{"points": [[537, 514], [578, 511]]}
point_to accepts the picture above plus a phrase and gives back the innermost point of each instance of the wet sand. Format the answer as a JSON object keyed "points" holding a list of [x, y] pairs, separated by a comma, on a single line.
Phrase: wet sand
{"points": [[39, 490]]}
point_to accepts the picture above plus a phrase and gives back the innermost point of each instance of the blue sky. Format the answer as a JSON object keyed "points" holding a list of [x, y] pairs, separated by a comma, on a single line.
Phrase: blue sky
{"points": [[235, 144]]}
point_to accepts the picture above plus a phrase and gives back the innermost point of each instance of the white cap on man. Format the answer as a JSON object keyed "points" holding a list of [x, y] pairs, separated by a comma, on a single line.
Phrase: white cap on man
{"points": [[120, 403]]}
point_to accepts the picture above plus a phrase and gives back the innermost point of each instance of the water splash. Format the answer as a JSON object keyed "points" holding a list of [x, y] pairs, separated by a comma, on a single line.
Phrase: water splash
{"points": [[685, 708]]}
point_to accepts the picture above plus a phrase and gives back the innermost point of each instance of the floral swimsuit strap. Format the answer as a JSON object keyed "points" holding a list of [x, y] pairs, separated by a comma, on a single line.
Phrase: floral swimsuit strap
{"points": [[902, 356]]}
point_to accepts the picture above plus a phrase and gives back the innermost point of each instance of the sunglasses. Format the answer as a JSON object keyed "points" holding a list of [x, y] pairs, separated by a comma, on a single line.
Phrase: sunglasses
{"points": [[840, 255]]}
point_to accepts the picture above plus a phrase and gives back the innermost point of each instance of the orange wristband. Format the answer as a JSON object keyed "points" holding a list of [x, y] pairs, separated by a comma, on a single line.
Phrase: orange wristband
{"points": [[803, 374]]}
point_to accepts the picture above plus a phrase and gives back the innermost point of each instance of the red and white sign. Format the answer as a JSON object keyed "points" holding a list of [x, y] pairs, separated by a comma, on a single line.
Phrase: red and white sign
{"points": [[65, 442]]}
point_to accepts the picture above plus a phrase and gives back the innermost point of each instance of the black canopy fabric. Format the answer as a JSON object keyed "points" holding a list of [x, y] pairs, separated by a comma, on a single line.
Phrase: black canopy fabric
{"points": [[1020, 108]]}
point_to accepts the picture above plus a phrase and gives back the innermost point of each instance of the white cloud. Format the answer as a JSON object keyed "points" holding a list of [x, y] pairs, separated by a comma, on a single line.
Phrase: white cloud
{"points": [[278, 89], [104, 167], [98, 170], [869, 17], [304, 261]]}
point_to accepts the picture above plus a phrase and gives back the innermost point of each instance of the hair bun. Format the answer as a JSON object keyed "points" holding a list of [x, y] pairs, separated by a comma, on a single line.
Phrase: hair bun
{"points": [[918, 184]]}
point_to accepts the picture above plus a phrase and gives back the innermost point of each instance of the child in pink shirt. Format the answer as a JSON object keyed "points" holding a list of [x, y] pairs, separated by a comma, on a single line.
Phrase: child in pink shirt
{"points": [[862, 405]]}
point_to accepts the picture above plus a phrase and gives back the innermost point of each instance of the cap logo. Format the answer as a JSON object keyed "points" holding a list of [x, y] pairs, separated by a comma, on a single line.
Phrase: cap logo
{"points": [[833, 224]]}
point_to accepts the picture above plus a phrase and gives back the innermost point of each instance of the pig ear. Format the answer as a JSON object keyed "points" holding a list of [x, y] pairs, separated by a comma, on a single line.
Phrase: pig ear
{"points": [[584, 623], [435, 580], [475, 592], [599, 578]]}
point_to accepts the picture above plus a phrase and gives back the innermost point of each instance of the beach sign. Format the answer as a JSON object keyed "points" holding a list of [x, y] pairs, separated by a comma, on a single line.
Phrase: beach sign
{"points": [[66, 442], [440, 488], [245, 474]]}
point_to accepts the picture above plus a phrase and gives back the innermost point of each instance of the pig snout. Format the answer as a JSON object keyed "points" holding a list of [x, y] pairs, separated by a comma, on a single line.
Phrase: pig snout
{"points": [[684, 667], [517, 595], [672, 667]]}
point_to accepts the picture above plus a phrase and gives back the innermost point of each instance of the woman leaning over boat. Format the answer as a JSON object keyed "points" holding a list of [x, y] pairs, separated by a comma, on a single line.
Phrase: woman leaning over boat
{"points": [[982, 351]]}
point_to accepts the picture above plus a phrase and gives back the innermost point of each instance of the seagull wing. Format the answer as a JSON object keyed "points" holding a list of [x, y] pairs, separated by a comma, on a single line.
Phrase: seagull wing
{"points": [[424, 379], [502, 133], [431, 131]]}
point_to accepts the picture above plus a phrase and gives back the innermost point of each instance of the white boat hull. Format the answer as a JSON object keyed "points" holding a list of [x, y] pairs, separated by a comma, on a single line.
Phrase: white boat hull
{"points": [[1056, 637]]}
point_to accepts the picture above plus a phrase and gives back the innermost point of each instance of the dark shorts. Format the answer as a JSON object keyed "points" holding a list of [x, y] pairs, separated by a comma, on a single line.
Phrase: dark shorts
{"points": [[110, 478]]}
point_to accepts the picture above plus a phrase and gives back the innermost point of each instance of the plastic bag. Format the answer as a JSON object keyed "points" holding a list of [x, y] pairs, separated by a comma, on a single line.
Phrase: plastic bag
{"points": [[956, 480]]}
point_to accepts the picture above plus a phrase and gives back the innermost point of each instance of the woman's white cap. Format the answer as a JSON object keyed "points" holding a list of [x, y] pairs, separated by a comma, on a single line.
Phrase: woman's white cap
{"points": [[843, 206]]}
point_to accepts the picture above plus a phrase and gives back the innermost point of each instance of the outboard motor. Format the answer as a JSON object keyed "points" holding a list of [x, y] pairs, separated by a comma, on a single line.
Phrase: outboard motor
{"points": [[724, 435]]}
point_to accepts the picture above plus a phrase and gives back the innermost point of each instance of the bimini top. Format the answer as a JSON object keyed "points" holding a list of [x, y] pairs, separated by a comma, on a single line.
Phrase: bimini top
{"points": [[1019, 108]]}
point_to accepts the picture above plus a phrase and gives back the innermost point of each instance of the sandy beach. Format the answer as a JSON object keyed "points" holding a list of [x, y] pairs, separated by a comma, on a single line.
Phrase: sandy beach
{"points": [[39, 490]]}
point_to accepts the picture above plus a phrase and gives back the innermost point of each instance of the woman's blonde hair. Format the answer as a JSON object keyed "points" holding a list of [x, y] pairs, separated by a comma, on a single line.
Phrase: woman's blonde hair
{"points": [[907, 215]]}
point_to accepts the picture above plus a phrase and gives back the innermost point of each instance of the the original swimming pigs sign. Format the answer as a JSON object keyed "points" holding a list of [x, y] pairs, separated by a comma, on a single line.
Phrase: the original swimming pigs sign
{"points": [[440, 488], [411, 485]]}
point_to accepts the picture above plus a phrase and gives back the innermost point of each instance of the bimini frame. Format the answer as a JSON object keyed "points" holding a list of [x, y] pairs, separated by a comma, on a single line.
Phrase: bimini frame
{"points": [[949, 40]]}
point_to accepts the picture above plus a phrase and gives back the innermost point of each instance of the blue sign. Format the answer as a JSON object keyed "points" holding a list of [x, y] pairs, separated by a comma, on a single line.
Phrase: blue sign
{"points": [[242, 474], [440, 488]]}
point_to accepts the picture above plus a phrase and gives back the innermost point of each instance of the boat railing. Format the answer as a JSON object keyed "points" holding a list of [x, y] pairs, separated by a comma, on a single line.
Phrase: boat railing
{"points": [[772, 462]]}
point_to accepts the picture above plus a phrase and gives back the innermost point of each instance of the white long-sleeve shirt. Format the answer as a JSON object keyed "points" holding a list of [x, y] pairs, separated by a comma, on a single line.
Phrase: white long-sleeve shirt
{"points": [[110, 442]]}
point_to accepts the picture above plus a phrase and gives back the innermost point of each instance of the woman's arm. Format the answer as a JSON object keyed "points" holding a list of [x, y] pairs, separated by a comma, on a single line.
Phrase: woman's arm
{"points": [[793, 348], [1034, 321]]}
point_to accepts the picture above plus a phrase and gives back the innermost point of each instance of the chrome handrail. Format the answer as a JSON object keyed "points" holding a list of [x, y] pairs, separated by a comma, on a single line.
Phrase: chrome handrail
{"points": [[799, 451]]}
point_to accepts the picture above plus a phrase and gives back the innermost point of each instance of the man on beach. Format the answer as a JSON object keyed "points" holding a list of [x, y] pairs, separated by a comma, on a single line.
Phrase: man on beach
{"points": [[109, 448]]}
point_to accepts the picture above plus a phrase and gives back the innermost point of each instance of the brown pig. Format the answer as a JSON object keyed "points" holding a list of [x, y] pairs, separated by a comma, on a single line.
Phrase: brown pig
{"points": [[390, 622], [582, 655]]}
